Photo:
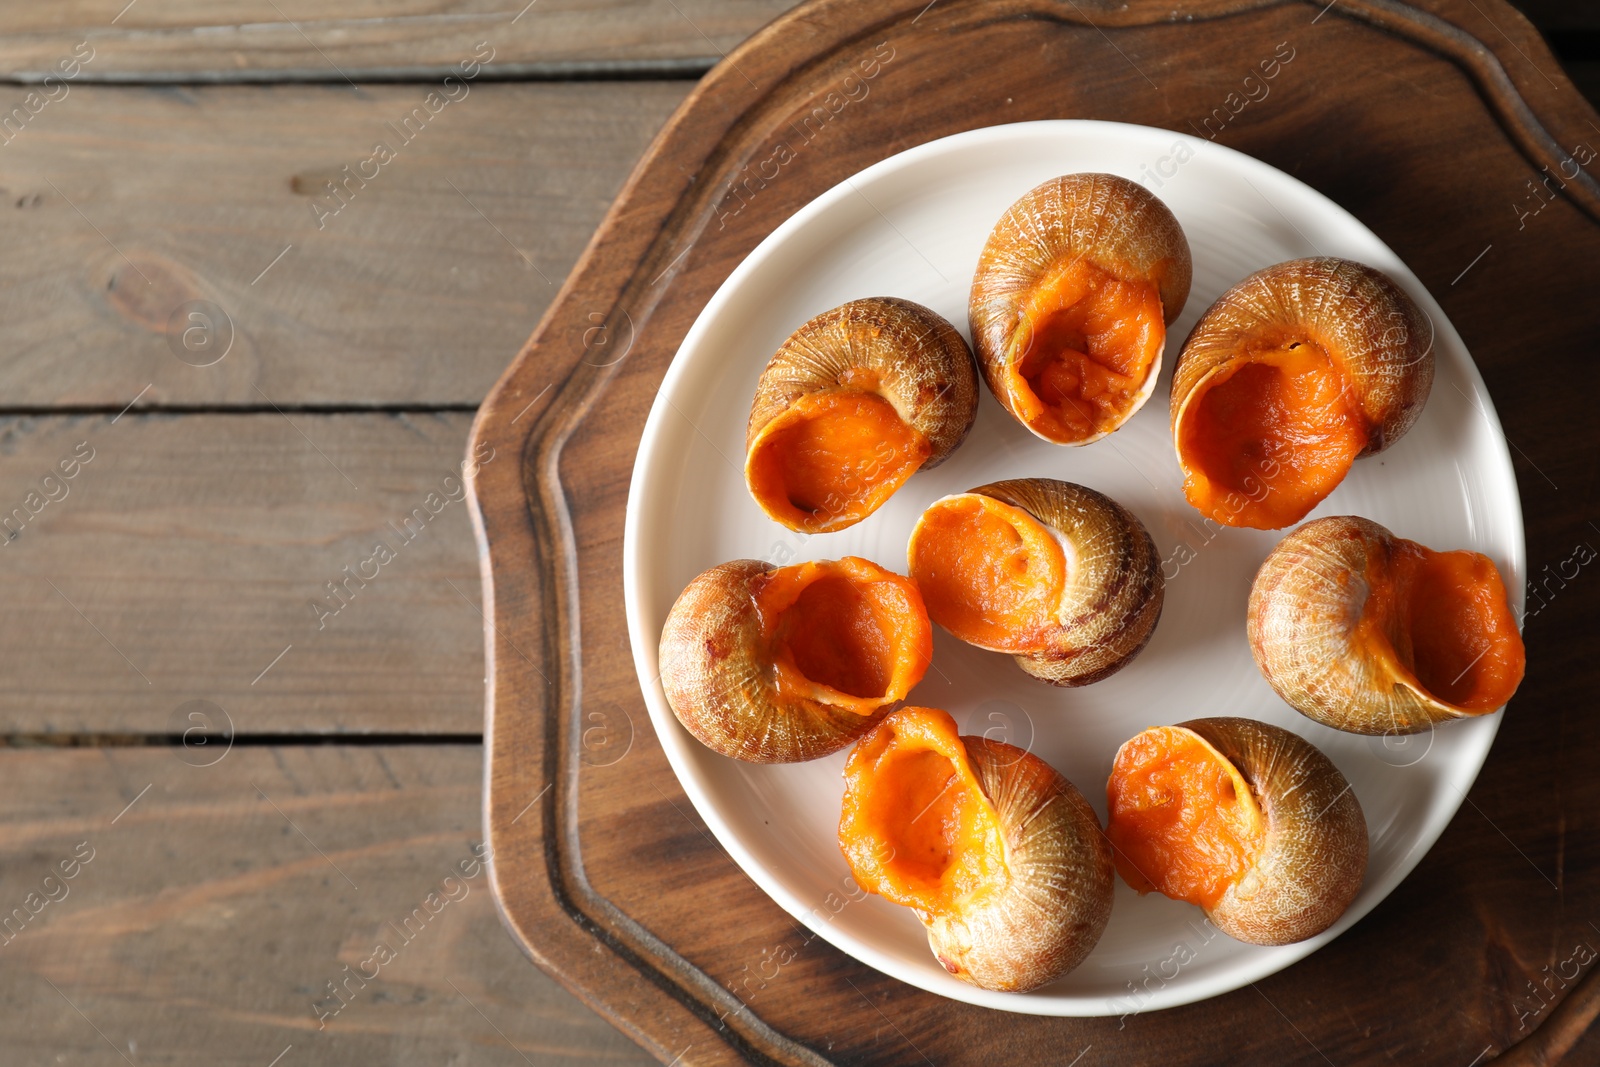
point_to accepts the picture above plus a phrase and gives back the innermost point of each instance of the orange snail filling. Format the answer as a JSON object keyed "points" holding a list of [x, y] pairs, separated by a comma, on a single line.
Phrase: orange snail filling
{"points": [[847, 633], [1444, 619], [990, 573], [916, 827], [1079, 361], [834, 456], [1268, 436], [1183, 821]]}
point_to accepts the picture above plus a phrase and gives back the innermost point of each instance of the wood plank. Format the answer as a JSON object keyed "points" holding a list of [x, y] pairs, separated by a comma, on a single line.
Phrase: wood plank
{"points": [[187, 553], [419, 285], [211, 906], [277, 39]]}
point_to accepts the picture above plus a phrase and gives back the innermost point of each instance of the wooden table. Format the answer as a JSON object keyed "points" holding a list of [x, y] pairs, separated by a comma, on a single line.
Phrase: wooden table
{"points": [[184, 167], [242, 742]]}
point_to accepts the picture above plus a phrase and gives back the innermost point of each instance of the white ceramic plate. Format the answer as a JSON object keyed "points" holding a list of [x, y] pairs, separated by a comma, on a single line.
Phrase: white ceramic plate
{"points": [[912, 226]]}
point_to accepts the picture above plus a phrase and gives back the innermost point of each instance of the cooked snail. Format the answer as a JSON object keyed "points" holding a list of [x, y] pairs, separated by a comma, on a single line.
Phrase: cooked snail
{"points": [[1000, 857], [1071, 301], [1061, 577], [780, 665], [1249, 821], [856, 401], [1288, 378], [1368, 632]]}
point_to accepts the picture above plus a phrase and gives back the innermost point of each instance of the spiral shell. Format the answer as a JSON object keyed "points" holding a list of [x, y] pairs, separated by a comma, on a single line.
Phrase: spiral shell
{"points": [[1370, 633], [856, 401], [1057, 280], [1028, 885], [751, 665], [1308, 855], [1077, 601], [1336, 342]]}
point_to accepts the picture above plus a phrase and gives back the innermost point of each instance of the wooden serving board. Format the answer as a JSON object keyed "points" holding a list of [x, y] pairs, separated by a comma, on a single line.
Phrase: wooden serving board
{"points": [[1448, 128]]}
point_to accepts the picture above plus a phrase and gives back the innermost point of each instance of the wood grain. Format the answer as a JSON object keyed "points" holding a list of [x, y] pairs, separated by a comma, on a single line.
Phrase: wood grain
{"points": [[1557, 15], [608, 886], [130, 203], [214, 910], [258, 40], [188, 553]]}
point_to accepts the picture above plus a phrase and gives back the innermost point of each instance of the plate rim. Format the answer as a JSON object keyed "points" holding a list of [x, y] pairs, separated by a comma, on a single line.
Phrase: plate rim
{"points": [[676, 742]]}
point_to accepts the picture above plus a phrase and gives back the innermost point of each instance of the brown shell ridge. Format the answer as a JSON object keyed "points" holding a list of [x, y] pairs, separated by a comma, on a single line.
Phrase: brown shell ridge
{"points": [[875, 333], [1305, 604], [1346, 308], [1314, 857], [1114, 592], [1057, 900], [711, 644], [1115, 224]]}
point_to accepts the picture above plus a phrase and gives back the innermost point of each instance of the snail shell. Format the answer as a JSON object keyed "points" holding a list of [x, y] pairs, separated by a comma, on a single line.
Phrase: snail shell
{"points": [[1060, 576], [1071, 300], [775, 665], [1332, 342], [1367, 632], [856, 401], [1284, 824], [1001, 857]]}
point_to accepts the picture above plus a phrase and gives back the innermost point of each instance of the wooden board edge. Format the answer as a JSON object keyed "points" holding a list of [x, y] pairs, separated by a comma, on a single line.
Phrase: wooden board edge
{"points": [[666, 999], [1489, 65]]}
